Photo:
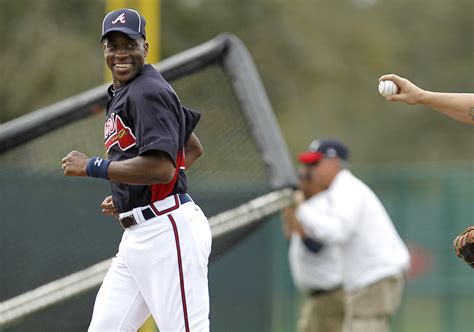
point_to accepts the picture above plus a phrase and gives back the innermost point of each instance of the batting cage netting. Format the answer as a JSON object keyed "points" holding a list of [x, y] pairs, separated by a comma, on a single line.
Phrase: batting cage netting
{"points": [[56, 245]]}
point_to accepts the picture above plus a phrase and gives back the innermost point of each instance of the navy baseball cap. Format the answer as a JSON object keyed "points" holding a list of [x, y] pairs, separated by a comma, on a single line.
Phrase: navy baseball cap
{"points": [[125, 20], [319, 149]]}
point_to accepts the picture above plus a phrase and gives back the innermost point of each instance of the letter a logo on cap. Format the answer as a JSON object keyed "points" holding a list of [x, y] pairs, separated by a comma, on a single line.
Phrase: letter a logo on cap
{"points": [[120, 19]]}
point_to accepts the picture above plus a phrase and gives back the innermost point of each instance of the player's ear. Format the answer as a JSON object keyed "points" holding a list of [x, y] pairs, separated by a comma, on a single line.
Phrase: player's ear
{"points": [[104, 47], [145, 47]]}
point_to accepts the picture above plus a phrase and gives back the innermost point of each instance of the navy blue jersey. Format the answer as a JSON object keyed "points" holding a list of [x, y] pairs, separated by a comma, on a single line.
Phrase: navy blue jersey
{"points": [[146, 115]]}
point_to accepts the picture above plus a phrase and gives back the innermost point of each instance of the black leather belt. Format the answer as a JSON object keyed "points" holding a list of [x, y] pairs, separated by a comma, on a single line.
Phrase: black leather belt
{"points": [[317, 292], [148, 212]]}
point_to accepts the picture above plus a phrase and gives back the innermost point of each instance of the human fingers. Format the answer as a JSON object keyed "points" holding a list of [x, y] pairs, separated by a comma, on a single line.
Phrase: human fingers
{"points": [[76, 154], [456, 247], [458, 243], [107, 203], [74, 164], [397, 97], [298, 197], [389, 77], [398, 80], [463, 240], [64, 163], [111, 211]]}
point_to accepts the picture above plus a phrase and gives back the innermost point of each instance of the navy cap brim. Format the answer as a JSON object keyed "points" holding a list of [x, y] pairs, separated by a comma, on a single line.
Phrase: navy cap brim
{"points": [[129, 32]]}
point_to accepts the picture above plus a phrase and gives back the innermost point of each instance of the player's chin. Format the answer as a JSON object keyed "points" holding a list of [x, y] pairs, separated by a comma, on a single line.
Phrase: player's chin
{"points": [[122, 76]]}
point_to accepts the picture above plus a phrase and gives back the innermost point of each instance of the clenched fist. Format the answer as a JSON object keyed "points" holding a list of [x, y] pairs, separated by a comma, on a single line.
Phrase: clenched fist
{"points": [[108, 207], [74, 164]]}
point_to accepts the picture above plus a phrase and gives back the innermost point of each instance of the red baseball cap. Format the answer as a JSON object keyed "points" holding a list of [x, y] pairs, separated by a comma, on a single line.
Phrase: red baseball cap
{"points": [[319, 149]]}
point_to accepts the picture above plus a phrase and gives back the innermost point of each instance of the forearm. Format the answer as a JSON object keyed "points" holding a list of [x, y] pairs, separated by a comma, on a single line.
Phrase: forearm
{"points": [[142, 170], [190, 157], [192, 150], [459, 106], [286, 224], [155, 167]]}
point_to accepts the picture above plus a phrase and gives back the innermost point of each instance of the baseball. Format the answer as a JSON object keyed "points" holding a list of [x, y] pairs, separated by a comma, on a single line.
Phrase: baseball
{"points": [[387, 88]]}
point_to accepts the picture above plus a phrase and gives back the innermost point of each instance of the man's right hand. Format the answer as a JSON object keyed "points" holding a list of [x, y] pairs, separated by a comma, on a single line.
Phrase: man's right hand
{"points": [[407, 91], [290, 223]]}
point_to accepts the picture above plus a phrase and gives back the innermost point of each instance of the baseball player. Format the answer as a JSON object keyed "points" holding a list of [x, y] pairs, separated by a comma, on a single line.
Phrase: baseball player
{"points": [[161, 265]]}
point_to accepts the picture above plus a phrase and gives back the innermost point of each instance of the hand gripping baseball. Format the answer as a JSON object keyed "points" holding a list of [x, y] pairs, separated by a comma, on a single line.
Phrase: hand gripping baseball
{"points": [[464, 245], [404, 90]]}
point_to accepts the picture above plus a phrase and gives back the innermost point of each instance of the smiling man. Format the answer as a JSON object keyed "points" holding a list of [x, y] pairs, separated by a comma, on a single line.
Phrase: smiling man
{"points": [[161, 266]]}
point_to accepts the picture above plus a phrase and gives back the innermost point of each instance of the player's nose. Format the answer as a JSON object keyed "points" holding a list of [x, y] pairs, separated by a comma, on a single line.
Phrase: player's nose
{"points": [[121, 54]]}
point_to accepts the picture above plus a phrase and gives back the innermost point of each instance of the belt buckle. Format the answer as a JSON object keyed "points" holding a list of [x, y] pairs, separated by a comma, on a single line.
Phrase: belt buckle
{"points": [[127, 221]]}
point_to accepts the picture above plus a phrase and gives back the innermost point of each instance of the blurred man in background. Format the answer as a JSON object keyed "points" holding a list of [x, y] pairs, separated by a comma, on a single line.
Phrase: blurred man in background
{"points": [[316, 268], [374, 257]]}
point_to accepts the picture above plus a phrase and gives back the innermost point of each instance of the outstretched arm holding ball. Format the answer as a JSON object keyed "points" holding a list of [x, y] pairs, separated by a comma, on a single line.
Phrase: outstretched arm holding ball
{"points": [[459, 106]]}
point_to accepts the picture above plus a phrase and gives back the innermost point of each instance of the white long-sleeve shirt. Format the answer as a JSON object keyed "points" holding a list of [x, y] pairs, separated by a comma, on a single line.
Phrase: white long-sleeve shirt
{"points": [[371, 246], [320, 270]]}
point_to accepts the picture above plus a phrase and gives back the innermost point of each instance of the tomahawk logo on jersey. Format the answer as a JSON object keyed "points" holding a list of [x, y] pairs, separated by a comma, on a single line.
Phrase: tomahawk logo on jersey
{"points": [[116, 132]]}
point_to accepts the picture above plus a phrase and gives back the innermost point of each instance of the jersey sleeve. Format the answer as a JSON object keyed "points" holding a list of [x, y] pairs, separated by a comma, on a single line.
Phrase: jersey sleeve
{"points": [[192, 118], [156, 123]]}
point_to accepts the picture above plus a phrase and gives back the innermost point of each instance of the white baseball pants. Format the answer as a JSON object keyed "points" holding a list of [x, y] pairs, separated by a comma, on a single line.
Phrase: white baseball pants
{"points": [[160, 269]]}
